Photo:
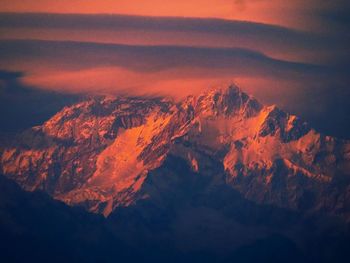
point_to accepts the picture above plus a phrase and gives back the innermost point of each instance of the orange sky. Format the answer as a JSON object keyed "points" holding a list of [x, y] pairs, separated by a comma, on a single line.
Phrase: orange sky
{"points": [[287, 13]]}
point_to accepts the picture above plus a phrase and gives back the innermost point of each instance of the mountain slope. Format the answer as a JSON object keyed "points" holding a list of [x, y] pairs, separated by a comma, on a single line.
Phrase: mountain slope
{"points": [[35, 228], [99, 153], [228, 228]]}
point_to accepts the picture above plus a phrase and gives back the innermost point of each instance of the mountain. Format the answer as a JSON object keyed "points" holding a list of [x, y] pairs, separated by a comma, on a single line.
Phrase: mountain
{"points": [[101, 153], [217, 177], [35, 228]]}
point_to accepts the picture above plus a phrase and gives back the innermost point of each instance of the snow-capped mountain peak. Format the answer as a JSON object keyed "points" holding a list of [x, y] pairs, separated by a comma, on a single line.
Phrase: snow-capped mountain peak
{"points": [[101, 153]]}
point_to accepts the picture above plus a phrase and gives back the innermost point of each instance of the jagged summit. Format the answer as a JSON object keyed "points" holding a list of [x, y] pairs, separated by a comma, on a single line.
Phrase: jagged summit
{"points": [[101, 153], [227, 101], [230, 88]]}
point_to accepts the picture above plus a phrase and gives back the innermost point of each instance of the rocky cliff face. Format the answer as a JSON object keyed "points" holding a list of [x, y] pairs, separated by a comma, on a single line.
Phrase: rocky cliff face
{"points": [[101, 153]]}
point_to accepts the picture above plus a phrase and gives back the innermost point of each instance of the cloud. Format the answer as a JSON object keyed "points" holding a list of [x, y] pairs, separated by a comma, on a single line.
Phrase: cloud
{"points": [[80, 67], [291, 13], [275, 41], [304, 72], [168, 62], [72, 54]]}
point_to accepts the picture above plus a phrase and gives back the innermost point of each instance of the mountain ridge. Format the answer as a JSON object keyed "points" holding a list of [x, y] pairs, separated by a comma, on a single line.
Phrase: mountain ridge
{"points": [[98, 153]]}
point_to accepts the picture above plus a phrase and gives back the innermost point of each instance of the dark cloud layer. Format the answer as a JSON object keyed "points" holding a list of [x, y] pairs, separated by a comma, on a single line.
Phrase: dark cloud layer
{"points": [[79, 55], [189, 31], [121, 22]]}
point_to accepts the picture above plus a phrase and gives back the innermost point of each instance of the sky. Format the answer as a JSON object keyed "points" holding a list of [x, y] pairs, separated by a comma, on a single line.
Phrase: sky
{"points": [[291, 53]]}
